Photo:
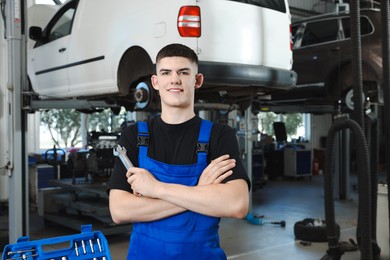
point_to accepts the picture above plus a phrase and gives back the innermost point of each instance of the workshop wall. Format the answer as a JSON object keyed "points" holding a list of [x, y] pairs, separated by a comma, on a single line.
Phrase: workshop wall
{"points": [[319, 129]]}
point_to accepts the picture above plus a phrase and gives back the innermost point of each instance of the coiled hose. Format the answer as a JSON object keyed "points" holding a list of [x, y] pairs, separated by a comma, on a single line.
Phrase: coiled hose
{"points": [[364, 183]]}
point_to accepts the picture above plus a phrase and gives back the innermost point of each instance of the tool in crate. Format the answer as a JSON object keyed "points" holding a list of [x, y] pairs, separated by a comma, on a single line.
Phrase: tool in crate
{"points": [[86, 245]]}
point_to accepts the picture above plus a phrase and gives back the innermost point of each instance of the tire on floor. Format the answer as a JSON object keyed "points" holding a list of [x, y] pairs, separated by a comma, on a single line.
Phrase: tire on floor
{"points": [[312, 230]]}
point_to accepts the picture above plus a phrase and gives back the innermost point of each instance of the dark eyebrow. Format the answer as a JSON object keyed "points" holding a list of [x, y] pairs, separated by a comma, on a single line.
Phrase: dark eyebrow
{"points": [[165, 70], [180, 70], [183, 69]]}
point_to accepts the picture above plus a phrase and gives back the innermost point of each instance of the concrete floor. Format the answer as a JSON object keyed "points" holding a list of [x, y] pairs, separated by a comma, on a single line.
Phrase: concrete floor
{"points": [[288, 200]]}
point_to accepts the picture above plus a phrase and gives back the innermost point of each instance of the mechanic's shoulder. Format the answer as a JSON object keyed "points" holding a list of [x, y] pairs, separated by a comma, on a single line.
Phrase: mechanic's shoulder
{"points": [[220, 128], [134, 125], [129, 128]]}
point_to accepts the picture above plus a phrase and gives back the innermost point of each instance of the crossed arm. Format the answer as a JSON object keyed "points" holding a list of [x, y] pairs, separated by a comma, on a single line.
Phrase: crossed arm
{"points": [[160, 200]]}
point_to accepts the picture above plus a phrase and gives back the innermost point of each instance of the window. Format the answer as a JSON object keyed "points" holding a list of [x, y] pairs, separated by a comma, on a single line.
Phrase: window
{"points": [[64, 127], [365, 26], [63, 25], [297, 32], [320, 32], [296, 124]]}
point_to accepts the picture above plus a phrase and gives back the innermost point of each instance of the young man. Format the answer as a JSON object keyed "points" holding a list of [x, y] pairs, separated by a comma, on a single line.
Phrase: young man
{"points": [[187, 175]]}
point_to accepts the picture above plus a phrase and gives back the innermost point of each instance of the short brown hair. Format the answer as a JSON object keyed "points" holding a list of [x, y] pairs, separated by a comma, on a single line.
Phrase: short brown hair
{"points": [[177, 50]]}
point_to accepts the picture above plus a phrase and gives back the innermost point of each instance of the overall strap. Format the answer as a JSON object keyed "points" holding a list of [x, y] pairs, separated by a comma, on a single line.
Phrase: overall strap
{"points": [[142, 141], [202, 147]]}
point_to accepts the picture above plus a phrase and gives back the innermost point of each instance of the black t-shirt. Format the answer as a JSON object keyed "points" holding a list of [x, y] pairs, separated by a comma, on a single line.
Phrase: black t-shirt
{"points": [[176, 144]]}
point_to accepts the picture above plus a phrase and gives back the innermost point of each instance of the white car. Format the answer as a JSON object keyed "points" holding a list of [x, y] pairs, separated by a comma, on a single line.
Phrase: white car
{"points": [[105, 50]]}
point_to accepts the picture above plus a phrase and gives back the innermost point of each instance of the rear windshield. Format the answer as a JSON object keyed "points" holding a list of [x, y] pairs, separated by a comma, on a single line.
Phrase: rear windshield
{"points": [[277, 5]]}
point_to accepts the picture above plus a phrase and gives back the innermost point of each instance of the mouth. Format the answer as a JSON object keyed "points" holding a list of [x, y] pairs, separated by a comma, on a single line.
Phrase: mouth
{"points": [[175, 90]]}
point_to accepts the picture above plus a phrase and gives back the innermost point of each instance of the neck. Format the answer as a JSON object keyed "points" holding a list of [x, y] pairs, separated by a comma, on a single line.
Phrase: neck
{"points": [[176, 115]]}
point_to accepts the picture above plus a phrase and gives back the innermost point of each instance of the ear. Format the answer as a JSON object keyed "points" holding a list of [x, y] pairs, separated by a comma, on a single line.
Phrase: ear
{"points": [[154, 82], [198, 80]]}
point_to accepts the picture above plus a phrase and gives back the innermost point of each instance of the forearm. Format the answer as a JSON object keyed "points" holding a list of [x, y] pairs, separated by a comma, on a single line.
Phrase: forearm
{"points": [[218, 200], [127, 208], [209, 197]]}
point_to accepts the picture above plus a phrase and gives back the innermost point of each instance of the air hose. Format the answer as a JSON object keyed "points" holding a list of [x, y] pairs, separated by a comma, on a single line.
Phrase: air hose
{"points": [[359, 116], [372, 130], [334, 251]]}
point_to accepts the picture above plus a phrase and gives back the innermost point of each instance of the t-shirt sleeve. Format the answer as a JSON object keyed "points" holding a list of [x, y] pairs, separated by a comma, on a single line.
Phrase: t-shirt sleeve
{"points": [[226, 143]]}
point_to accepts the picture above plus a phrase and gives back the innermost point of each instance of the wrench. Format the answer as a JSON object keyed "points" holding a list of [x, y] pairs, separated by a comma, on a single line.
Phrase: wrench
{"points": [[21, 251], [22, 257], [121, 153]]}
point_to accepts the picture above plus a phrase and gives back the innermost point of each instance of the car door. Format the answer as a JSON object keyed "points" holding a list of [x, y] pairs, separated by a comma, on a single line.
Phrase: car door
{"points": [[49, 56]]}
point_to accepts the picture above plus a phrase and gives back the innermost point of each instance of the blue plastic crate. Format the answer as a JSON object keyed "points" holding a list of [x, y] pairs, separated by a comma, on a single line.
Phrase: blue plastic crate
{"points": [[86, 245]]}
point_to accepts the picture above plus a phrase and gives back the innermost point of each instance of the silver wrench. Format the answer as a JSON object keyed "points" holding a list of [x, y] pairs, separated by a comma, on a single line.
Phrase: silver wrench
{"points": [[121, 153]]}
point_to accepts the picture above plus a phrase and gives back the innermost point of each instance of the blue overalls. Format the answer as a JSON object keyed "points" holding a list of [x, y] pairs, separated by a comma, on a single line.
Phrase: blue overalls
{"points": [[187, 235]]}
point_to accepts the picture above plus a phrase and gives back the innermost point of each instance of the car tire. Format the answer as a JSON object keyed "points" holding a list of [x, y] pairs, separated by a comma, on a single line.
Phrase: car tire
{"points": [[307, 231]]}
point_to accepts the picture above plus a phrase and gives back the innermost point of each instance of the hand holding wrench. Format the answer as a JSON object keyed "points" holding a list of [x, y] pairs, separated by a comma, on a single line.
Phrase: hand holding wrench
{"points": [[121, 153]]}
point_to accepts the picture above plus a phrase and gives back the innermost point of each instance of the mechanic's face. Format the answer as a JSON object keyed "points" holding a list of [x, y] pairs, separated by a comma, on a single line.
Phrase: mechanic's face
{"points": [[176, 80]]}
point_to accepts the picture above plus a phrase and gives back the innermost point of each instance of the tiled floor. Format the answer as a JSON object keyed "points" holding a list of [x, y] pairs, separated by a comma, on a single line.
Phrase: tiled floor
{"points": [[288, 200]]}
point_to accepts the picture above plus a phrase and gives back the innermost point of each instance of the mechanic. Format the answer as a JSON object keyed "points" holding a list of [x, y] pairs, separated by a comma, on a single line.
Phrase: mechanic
{"points": [[187, 171]]}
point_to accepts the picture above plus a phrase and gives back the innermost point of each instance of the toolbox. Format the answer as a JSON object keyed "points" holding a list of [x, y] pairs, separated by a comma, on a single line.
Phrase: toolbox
{"points": [[86, 245]]}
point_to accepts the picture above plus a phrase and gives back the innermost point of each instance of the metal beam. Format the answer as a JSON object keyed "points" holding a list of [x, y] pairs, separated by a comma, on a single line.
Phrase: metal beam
{"points": [[320, 109], [68, 104]]}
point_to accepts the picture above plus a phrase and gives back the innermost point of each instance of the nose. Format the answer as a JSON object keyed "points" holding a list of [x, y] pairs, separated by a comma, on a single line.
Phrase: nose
{"points": [[175, 79]]}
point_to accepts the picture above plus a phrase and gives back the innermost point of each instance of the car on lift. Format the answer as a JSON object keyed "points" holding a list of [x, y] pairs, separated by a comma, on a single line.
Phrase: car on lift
{"points": [[97, 50], [322, 50]]}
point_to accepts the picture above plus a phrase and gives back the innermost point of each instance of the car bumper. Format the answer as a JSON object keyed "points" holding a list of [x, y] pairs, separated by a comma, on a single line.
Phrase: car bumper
{"points": [[247, 75]]}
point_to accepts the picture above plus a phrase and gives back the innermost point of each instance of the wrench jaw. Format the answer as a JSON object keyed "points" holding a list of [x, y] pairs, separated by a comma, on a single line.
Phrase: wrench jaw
{"points": [[121, 153], [115, 151], [118, 150]]}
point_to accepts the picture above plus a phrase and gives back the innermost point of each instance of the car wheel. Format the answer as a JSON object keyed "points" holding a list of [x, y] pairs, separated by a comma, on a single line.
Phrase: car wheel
{"points": [[348, 99], [372, 94], [145, 95]]}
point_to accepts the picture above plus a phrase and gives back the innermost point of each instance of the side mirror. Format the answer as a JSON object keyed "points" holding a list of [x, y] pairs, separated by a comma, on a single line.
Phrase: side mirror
{"points": [[35, 33]]}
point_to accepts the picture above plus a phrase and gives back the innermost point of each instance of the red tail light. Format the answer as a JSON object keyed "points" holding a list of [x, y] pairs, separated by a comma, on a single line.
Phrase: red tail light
{"points": [[188, 21]]}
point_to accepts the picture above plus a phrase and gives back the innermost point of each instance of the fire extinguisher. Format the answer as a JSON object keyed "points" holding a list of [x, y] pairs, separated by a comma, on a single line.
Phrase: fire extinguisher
{"points": [[316, 167]]}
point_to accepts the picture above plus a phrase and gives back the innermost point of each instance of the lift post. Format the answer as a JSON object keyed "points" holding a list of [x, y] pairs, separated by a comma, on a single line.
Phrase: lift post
{"points": [[248, 150], [16, 122]]}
